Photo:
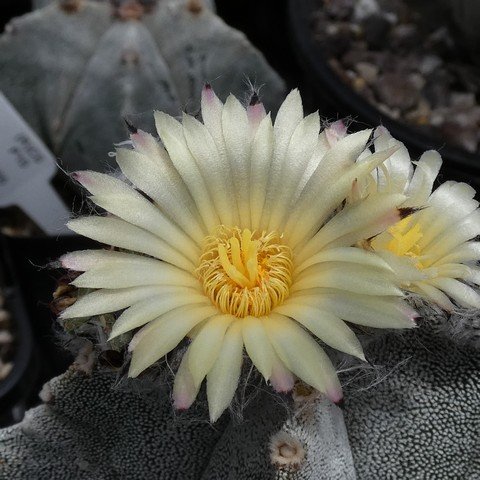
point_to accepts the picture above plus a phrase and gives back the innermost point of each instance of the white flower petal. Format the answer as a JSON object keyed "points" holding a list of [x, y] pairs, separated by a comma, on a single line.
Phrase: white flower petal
{"points": [[289, 115], [399, 165], [433, 294], [344, 254], [83, 260], [458, 233], [288, 118], [161, 336], [375, 213], [258, 345], [261, 157], [316, 203], [302, 355], [212, 109], [255, 113], [324, 325], [327, 139], [299, 151], [238, 138], [425, 174], [404, 267], [134, 271], [162, 183], [453, 196], [171, 134], [217, 174], [141, 213], [146, 144], [461, 293], [464, 253], [184, 388], [370, 311], [147, 310], [352, 278], [340, 157], [223, 378], [449, 203], [119, 233], [282, 379], [106, 300], [100, 183], [454, 270], [206, 346], [335, 132]]}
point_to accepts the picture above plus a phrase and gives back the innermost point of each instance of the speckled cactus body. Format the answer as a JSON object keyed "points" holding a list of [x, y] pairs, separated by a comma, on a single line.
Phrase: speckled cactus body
{"points": [[420, 421], [90, 430], [423, 419], [75, 67]]}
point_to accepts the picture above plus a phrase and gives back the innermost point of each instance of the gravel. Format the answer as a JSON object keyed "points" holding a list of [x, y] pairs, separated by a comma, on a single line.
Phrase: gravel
{"points": [[409, 63]]}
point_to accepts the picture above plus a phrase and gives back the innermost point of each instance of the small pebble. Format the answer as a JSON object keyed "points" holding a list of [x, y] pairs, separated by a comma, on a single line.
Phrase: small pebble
{"points": [[5, 337], [368, 71], [364, 9], [404, 36], [396, 91], [338, 9], [421, 115], [4, 319], [463, 100], [429, 63], [417, 80], [5, 369]]}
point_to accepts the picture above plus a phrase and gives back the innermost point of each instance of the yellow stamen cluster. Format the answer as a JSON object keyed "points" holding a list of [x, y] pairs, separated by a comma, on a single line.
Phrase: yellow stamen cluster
{"points": [[405, 238], [245, 273]]}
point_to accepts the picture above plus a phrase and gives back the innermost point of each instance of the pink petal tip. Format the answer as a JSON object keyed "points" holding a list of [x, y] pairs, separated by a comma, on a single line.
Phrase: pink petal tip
{"points": [[207, 93], [81, 177], [255, 113], [282, 383], [335, 132], [182, 402], [335, 395]]}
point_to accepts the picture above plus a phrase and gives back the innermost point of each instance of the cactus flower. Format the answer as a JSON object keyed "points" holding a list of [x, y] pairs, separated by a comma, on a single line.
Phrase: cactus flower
{"points": [[432, 250], [234, 233]]}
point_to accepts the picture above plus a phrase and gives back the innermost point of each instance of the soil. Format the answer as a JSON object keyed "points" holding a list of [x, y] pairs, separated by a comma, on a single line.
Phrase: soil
{"points": [[409, 60]]}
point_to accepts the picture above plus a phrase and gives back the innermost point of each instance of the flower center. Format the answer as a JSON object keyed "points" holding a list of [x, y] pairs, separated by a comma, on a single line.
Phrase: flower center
{"points": [[405, 239], [245, 273]]}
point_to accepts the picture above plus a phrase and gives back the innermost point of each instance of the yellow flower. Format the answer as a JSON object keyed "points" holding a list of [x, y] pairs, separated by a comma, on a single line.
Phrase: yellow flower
{"points": [[432, 250], [234, 236]]}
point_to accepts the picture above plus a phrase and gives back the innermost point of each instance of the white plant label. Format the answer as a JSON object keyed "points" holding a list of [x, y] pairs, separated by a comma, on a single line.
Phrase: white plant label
{"points": [[26, 169]]}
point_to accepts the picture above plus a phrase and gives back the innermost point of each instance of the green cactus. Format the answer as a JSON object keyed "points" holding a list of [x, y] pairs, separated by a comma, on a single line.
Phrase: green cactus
{"points": [[75, 67]]}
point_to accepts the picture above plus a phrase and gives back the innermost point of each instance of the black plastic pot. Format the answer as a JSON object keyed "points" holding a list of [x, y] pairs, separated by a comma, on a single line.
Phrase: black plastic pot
{"points": [[326, 86], [17, 386], [29, 286]]}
